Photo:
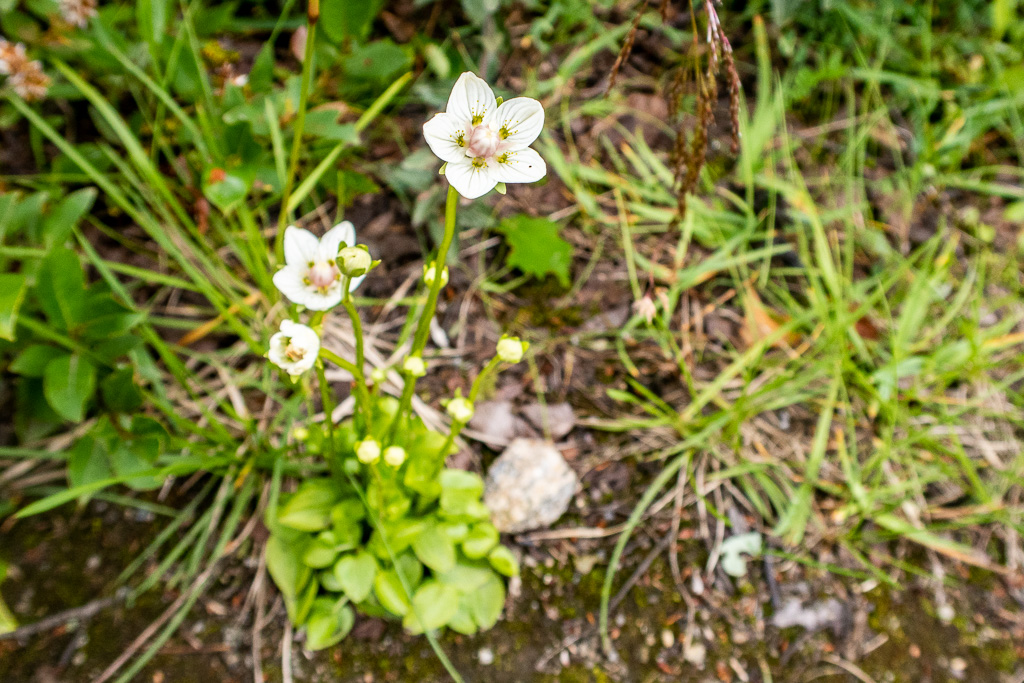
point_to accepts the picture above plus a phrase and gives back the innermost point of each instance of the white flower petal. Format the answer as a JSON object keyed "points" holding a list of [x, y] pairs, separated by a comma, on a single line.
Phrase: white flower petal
{"points": [[332, 239], [521, 166], [353, 285], [300, 246], [471, 98], [315, 301], [290, 280], [471, 181], [520, 121], [443, 134]]}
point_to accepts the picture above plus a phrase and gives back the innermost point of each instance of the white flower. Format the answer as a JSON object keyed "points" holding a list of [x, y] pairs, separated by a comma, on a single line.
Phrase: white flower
{"points": [[460, 409], [511, 349], [294, 349], [310, 276], [415, 366], [394, 456], [484, 143], [368, 451]]}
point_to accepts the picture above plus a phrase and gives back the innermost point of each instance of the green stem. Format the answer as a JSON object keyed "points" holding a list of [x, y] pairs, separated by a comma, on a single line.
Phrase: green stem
{"points": [[300, 124], [338, 360], [423, 327], [328, 406], [484, 374], [357, 332]]}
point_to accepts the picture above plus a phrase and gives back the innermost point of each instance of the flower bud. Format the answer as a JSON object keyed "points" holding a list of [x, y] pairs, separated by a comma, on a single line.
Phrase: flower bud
{"points": [[394, 456], [511, 349], [460, 409], [415, 366], [354, 261], [368, 451], [378, 375], [429, 273]]}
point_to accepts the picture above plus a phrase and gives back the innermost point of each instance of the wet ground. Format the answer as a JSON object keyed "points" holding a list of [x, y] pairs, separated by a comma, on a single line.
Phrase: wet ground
{"points": [[67, 559]]}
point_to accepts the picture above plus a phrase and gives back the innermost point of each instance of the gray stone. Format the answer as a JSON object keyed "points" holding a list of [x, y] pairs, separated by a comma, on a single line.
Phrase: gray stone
{"points": [[529, 486]]}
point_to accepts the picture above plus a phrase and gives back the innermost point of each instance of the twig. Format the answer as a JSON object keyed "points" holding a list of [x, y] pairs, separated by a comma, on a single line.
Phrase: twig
{"points": [[86, 611]]}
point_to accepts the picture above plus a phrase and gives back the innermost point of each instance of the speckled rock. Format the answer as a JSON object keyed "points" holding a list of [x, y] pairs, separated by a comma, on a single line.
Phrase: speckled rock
{"points": [[529, 486]]}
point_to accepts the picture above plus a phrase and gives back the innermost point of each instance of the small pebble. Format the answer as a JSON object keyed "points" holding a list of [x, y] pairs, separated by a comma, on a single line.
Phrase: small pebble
{"points": [[668, 639], [958, 665], [946, 613], [563, 658], [915, 651], [485, 656]]}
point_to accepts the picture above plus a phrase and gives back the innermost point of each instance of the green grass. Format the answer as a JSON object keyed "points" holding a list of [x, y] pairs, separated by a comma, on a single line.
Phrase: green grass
{"points": [[865, 242]]}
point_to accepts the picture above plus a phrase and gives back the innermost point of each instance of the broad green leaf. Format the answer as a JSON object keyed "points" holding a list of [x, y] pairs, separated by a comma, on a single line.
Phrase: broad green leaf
{"points": [[320, 553], [63, 218], [309, 508], [462, 621], [355, 574], [480, 540], [328, 624], [435, 549], [379, 61], [467, 577], [341, 20], [88, 462], [388, 589], [120, 393], [12, 293], [433, 605], [130, 458], [227, 192], [68, 384], [459, 490], [60, 288], [486, 603], [536, 248], [502, 559], [32, 361], [284, 562]]}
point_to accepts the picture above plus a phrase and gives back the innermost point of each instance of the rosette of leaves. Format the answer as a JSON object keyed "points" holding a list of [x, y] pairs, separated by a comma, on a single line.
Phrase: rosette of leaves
{"points": [[414, 543]]}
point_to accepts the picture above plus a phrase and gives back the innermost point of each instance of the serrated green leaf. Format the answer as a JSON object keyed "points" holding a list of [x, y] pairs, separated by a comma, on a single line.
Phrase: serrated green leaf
{"points": [[536, 248]]}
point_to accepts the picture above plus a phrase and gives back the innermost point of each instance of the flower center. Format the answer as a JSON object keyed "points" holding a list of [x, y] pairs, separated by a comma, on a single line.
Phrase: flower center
{"points": [[483, 141], [323, 274], [294, 353]]}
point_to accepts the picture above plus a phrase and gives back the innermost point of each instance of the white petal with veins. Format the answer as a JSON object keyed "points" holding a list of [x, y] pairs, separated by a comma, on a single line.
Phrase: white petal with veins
{"points": [[471, 98], [521, 166], [444, 134]]}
